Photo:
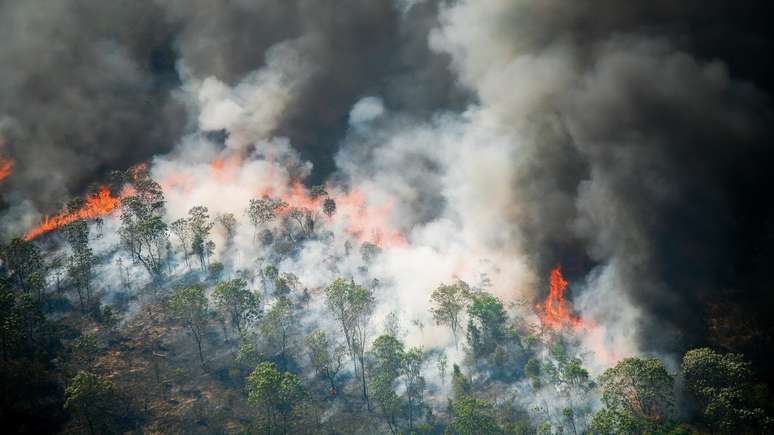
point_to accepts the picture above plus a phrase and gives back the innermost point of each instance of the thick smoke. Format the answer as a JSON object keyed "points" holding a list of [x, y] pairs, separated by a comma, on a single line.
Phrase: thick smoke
{"points": [[85, 89], [500, 138], [625, 148]]}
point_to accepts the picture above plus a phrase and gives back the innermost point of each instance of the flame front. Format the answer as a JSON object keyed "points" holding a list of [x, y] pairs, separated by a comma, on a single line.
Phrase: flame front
{"points": [[96, 205], [557, 313], [6, 167]]}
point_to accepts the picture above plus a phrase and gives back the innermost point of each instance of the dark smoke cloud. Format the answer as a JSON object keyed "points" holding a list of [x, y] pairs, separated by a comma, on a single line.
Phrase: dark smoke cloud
{"points": [[357, 48], [84, 88], [646, 112], [87, 86]]}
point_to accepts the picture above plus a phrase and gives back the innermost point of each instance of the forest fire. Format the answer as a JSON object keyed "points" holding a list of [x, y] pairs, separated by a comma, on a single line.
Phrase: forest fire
{"points": [[96, 205], [556, 311], [6, 167]]}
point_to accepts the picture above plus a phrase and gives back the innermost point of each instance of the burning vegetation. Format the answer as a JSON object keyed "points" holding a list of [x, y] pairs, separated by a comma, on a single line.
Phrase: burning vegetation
{"points": [[6, 168], [95, 206], [556, 310]]}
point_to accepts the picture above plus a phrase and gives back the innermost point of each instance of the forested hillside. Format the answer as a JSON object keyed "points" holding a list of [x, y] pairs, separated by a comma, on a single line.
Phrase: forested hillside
{"points": [[204, 348]]}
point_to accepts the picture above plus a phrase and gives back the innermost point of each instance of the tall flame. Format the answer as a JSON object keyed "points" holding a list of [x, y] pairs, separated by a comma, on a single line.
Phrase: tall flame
{"points": [[6, 167], [96, 205], [557, 313]]}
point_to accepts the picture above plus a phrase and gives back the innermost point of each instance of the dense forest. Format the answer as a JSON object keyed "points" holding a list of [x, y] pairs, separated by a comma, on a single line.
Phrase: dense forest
{"points": [[201, 349]]}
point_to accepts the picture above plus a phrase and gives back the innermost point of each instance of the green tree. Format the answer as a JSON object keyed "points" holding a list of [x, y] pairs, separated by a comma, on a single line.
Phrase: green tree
{"points": [[448, 302], [461, 386], [23, 262], [387, 356], [262, 211], [201, 245], [473, 417], [487, 324], [80, 264], [239, 304], [93, 401], [191, 307], [10, 324], [181, 228], [723, 386], [278, 325], [277, 394], [143, 231], [352, 306], [411, 369], [325, 357], [638, 396], [228, 222]]}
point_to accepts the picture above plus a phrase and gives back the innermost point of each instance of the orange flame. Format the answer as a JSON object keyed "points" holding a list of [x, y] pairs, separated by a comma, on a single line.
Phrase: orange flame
{"points": [[557, 313], [364, 222], [6, 167], [99, 204]]}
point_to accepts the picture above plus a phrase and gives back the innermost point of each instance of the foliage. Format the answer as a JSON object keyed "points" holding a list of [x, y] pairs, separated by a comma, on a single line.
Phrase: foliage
{"points": [[23, 262], [241, 305], [277, 326], [387, 356], [191, 307], [143, 231], [329, 207], [723, 386], [277, 394], [351, 305], [473, 417], [326, 358], [200, 223], [486, 325], [93, 400], [638, 396], [262, 211], [449, 301]]}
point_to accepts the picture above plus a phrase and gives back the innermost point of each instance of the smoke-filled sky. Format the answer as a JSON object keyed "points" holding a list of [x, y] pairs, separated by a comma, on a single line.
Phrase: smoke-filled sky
{"points": [[628, 141]]}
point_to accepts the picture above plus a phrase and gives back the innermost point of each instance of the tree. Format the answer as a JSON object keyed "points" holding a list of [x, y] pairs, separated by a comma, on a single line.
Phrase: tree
{"points": [[23, 261], [325, 357], [191, 308], [200, 223], [723, 386], [329, 207], [93, 400], [442, 363], [10, 324], [411, 369], [228, 222], [269, 276], [473, 417], [143, 231], [352, 306], [486, 324], [637, 394], [182, 230], [261, 211], [278, 395], [448, 302], [317, 192], [302, 217], [81, 262], [235, 301], [277, 326], [387, 356], [461, 386]]}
